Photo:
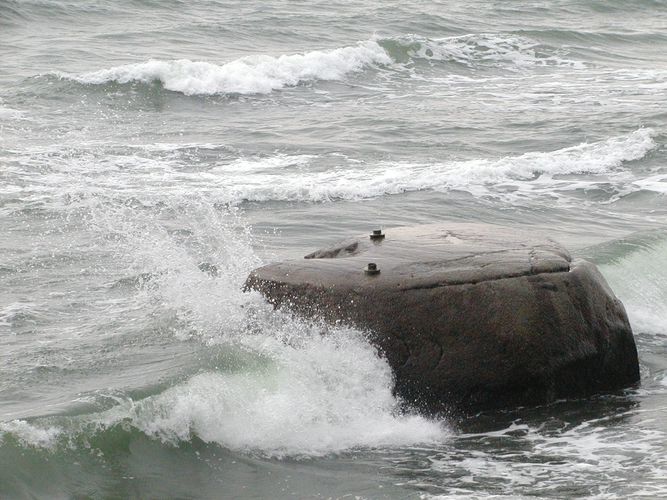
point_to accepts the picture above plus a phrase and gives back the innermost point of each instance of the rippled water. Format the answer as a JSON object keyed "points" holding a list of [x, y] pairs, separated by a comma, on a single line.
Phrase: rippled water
{"points": [[153, 153]]}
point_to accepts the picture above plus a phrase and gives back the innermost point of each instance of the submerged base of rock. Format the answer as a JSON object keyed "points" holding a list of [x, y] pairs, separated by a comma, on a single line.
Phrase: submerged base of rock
{"points": [[468, 316]]}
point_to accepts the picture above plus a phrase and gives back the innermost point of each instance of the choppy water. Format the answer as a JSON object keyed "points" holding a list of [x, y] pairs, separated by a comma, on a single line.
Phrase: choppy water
{"points": [[152, 153]]}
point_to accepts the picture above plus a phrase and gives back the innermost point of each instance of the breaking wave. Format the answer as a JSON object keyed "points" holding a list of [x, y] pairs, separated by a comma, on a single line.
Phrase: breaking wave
{"points": [[10, 114], [313, 178], [324, 395], [259, 74], [510, 51], [530, 172], [636, 268], [262, 74], [271, 385]]}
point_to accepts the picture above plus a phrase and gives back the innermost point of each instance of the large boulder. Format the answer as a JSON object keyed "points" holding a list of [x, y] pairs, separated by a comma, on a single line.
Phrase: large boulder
{"points": [[468, 316]]}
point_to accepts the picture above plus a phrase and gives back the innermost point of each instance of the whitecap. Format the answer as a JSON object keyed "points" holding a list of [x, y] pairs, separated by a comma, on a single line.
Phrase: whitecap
{"points": [[280, 386], [10, 114], [322, 178], [531, 174], [495, 49], [258, 74], [31, 435], [262, 74], [326, 394]]}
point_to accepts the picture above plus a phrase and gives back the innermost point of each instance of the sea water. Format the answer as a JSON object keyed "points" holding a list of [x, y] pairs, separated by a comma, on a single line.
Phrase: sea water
{"points": [[153, 153]]}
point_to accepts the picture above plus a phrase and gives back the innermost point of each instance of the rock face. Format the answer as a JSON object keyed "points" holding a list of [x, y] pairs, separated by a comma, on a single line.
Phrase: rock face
{"points": [[468, 316]]}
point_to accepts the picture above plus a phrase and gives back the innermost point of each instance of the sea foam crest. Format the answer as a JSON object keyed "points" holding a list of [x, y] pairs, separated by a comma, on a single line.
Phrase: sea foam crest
{"points": [[258, 74], [302, 177], [30, 435], [294, 389], [530, 172], [320, 395], [11, 114], [278, 386], [479, 49], [261, 74]]}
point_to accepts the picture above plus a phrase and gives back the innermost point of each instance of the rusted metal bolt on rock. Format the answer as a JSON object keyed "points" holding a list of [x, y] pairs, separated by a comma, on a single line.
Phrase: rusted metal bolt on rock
{"points": [[377, 234], [372, 269]]}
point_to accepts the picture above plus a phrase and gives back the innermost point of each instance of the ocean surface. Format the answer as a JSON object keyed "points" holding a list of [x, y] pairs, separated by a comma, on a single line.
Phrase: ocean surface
{"points": [[153, 152]]}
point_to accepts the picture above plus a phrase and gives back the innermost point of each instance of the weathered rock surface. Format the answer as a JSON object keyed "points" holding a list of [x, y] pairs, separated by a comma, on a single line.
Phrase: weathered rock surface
{"points": [[468, 316]]}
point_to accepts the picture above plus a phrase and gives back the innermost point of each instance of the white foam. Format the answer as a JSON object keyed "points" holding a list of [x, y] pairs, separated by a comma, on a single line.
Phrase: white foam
{"points": [[530, 172], [10, 114], [31, 435], [259, 74], [334, 177], [277, 163], [540, 459], [15, 311], [287, 387], [656, 183], [327, 394], [307, 391], [486, 48]]}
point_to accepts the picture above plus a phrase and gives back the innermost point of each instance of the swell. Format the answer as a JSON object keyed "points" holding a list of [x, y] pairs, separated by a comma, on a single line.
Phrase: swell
{"points": [[506, 50], [248, 75], [47, 10], [618, 49], [11, 13], [299, 411], [270, 384], [636, 268], [280, 389], [262, 74], [603, 169]]}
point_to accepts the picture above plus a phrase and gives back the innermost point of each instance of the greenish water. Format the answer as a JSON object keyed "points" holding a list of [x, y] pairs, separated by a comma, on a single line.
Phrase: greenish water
{"points": [[153, 153]]}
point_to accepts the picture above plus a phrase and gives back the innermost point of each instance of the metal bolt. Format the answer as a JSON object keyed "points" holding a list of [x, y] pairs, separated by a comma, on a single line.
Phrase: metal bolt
{"points": [[377, 234], [372, 269]]}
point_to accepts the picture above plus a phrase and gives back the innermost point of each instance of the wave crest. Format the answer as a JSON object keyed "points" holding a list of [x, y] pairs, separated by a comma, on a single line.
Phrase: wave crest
{"points": [[262, 74], [259, 74], [636, 268], [297, 391], [313, 178], [534, 172], [263, 382], [478, 49]]}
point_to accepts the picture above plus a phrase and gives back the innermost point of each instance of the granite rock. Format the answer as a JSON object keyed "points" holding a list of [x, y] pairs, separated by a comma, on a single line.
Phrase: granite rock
{"points": [[469, 316]]}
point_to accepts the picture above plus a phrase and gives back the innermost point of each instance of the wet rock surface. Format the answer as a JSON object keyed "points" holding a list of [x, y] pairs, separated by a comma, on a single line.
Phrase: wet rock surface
{"points": [[469, 316]]}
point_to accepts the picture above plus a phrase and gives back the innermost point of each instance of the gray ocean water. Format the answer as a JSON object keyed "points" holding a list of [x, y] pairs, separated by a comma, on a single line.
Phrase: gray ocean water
{"points": [[153, 152]]}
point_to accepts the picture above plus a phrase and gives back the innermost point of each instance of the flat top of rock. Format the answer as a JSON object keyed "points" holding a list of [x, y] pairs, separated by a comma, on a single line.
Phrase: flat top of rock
{"points": [[425, 256]]}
